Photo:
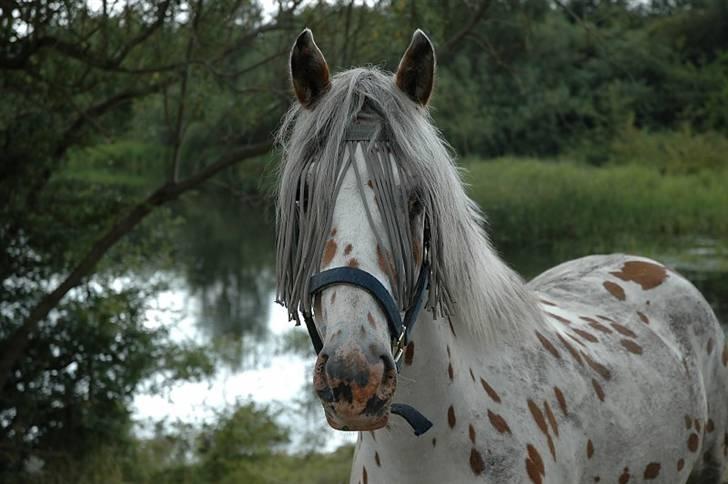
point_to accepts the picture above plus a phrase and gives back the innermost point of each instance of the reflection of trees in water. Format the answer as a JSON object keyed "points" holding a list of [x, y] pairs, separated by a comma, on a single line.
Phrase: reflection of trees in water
{"points": [[226, 248]]}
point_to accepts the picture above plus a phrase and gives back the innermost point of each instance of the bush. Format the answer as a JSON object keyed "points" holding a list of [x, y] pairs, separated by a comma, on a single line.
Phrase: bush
{"points": [[531, 202], [673, 152]]}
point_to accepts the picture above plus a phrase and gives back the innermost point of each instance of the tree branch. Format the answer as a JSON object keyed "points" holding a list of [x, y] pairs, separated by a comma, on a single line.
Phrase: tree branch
{"points": [[14, 346]]}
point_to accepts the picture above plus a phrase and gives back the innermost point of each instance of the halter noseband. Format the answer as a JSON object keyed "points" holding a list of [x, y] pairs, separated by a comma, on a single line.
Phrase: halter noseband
{"points": [[399, 328]]}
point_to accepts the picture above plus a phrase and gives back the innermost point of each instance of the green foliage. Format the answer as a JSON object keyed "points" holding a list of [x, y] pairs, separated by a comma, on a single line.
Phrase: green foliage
{"points": [[243, 445], [530, 202], [673, 152]]}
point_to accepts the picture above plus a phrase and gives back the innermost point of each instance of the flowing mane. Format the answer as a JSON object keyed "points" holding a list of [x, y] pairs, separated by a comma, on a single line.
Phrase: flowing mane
{"points": [[469, 283]]}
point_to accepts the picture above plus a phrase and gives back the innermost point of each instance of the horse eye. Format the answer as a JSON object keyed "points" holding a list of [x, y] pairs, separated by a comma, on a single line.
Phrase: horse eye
{"points": [[415, 205]]}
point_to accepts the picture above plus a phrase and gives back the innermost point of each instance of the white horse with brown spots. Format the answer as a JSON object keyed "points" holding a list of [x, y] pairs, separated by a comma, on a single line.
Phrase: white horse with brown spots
{"points": [[603, 369]]}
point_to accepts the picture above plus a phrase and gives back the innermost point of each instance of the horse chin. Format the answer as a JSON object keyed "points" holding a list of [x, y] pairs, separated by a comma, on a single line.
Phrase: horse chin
{"points": [[360, 422]]}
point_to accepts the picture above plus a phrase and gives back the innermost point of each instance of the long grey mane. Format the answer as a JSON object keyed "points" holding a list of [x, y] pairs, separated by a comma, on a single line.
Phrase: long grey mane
{"points": [[468, 281]]}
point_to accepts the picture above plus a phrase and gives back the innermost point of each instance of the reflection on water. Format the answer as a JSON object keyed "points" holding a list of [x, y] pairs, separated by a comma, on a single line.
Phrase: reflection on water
{"points": [[223, 295], [225, 251]]}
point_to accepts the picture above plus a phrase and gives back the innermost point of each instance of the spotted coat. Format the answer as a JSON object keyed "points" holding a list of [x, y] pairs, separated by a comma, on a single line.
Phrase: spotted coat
{"points": [[626, 381]]}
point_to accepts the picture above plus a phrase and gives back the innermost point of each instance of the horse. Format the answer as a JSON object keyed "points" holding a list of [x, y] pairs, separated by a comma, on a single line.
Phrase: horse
{"points": [[607, 368]]}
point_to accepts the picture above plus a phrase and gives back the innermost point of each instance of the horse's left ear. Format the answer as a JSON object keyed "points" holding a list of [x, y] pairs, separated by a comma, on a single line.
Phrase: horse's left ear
{"points": [[416, 72], [309, 70]]}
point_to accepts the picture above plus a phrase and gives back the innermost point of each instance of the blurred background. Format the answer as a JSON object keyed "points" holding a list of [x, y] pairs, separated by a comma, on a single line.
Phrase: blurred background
{"points": [[139, 341]]}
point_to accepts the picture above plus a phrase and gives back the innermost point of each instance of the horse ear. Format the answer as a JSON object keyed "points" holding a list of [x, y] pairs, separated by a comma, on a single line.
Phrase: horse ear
{"points": [[309, 71], [416, 72]]}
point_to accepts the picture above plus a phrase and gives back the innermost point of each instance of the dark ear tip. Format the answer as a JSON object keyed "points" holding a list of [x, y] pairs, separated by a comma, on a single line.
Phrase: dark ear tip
{"points": [[304, 38], [419, 37]]}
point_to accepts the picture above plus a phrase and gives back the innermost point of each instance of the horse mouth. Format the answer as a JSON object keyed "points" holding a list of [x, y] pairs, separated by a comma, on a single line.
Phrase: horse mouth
{"points": [[356, 422]]}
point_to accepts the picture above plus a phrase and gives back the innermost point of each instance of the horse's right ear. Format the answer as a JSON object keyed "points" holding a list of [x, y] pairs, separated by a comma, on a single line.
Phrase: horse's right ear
{"points": [[309, 71]]}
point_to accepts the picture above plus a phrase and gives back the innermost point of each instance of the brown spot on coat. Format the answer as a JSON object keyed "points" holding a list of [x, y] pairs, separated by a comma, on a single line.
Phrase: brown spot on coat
{"points": [[364, 476], [586, 335], [409, 353], [372, 323], [329, 252], [471, 433], [693, 442], [631, 346], [451, 417], [434, 442], [376, 459], [589, 449], [644, 318], [498, 423], [353, 263], [552, 448], [370, 184], [647, 274], [534, 464], [548, 303], [384, 264], [598, 389], [614, 289], [538, 416], [652, 470], [347, 249], [472, 376], [680, 464], [624, 477], [559, 318], [598, 367], [551, 418], [548, 345], [620, 328], [596, 325], [450, 371], [476, 462], [489, 390], [572, 351], [562, 401]]}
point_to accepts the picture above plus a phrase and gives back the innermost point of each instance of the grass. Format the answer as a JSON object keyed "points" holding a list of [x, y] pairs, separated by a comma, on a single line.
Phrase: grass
{"points": [[532, 202]]}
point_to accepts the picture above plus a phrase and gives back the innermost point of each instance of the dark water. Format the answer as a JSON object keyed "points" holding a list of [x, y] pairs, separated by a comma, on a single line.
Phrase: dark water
{"points": [[225, 254]]}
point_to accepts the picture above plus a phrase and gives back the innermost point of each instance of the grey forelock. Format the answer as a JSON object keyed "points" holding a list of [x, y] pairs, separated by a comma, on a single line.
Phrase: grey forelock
{"points": [[364, 107]]}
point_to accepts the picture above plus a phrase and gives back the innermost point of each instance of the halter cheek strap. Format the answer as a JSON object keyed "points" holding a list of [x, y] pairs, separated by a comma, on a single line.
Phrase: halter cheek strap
{"points": [[399, 329]]}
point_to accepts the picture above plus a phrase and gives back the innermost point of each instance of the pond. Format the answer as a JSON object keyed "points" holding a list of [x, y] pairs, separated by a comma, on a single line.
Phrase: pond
{"points": [[221, 295]]}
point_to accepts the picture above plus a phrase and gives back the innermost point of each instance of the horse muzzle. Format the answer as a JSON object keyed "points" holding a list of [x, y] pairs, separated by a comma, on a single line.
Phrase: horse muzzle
{"points": [[355, 386]]}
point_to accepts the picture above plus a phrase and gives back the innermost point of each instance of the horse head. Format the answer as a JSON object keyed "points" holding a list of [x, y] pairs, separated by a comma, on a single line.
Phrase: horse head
{"points": [[352, 225]]}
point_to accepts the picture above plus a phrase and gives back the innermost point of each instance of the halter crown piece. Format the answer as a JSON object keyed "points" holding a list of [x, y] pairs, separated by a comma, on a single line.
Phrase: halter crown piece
{"points": [[399, 328]]}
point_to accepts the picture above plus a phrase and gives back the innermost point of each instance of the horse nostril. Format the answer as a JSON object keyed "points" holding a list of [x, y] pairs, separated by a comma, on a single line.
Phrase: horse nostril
{"points": [[389, 378], [320, 379]]}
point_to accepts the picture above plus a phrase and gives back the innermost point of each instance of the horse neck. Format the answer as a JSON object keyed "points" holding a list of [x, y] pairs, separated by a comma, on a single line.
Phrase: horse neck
{"points": [[446, 355]]}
